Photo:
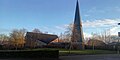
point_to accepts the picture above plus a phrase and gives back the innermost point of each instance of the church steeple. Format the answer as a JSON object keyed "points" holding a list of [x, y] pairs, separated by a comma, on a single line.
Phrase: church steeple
{"points": [[77, 19], [77, 33]]}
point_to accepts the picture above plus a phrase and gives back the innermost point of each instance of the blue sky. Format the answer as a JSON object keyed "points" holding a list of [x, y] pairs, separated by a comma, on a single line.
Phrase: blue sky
{"points": [[54, 15]]}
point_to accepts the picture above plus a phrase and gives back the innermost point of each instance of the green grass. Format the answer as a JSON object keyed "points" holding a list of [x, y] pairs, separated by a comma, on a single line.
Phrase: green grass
{"points": [[86, 52], [78, 52]]}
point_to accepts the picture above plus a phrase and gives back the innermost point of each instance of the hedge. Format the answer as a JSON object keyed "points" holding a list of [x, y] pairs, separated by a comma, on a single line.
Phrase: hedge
{"points": [[30, 54]]}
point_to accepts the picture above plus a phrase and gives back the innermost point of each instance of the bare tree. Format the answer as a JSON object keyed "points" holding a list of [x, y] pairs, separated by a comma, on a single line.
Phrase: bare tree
{"points": [[17, 37], [4, 40], [4, 37], [36, 31], [73, 38], [103, 36], [68, 33]]}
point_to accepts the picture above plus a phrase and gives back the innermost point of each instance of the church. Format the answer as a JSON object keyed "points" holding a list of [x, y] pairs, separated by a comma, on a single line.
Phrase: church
{"points": [[38, 39]]}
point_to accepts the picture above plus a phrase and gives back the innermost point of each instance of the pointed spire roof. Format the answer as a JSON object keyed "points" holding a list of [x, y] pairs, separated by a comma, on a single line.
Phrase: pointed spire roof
{"points": [[77, 27], [77, 20]]}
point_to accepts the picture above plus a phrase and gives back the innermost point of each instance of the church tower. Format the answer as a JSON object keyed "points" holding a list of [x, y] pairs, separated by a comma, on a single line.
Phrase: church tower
{"points": [[77, 33]]}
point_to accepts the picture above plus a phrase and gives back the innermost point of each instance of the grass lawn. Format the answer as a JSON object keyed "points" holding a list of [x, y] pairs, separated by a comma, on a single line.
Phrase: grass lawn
{"points": [[78, 52], [86, 52]]}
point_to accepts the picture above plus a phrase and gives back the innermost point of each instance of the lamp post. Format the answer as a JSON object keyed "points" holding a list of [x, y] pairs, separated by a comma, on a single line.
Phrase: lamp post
{"points": [[93, 48], [70, 45]]}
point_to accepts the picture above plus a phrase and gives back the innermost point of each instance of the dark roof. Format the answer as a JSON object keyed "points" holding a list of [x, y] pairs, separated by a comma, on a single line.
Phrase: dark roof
{"points": [[46, 38]]}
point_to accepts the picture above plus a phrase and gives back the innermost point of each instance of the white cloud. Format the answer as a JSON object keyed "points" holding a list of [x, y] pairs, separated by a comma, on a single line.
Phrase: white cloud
{"points": [[101, 23], [115, 30], [60, 27], [86, 35], [86, 15], [94, 23], [95, 10], [109, 24]]}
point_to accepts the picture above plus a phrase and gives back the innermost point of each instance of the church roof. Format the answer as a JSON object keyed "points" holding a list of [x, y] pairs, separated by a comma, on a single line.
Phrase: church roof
{"points": [[46, 38]]}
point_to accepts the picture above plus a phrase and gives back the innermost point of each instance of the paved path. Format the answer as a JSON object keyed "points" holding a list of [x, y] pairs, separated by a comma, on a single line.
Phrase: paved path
{"points": [[91, 57]]}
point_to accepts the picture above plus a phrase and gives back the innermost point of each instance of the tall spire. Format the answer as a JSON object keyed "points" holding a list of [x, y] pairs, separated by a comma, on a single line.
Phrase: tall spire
{"points": [[77, 19], [77, 33]]}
